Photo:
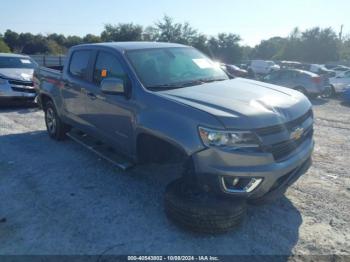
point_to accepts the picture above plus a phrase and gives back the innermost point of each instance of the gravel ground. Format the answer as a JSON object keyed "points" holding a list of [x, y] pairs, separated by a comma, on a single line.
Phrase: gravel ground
{"points": [[59, 198]]}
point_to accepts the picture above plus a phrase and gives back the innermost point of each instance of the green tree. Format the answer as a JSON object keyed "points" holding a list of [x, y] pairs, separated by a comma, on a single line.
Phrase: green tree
{"points": [[34, 44], [225, 48], [4, 47], [90, 38], [292, 48], [12, 40], [320, 45], [55, 49], [166, 30], [58, 38], [345, 50], [122, 32], [269, 49]]}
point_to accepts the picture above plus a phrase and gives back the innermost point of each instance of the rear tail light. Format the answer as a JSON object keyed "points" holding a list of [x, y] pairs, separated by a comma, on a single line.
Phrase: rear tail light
{"points": [[316, 80]]}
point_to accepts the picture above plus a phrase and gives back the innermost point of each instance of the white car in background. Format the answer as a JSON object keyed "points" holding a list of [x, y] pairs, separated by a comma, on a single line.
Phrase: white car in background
{"points": [[16, 77], [322, 70], [340, 70], [340, 82], [263, 67]]}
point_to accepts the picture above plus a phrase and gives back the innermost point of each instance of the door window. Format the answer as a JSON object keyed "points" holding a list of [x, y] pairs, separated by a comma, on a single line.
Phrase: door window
{"points": [[79, 64], [107, 66]]}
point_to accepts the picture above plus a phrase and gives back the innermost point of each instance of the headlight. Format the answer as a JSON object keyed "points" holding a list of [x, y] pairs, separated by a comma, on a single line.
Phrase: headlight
{"points": [[230, 139]]}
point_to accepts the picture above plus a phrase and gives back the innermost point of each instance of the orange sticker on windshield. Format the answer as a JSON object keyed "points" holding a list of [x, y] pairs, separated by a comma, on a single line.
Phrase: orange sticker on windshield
{"points": [[103, 73]]}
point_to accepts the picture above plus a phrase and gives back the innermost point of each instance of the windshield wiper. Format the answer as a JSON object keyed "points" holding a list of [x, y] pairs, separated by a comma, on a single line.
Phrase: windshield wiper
{"points": [[184, 84], [164, 87], [209, 80]]}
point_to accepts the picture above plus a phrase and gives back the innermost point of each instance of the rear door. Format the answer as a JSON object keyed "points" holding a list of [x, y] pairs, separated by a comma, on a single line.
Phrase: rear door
{"points": [[110, 115], [76, 79]]}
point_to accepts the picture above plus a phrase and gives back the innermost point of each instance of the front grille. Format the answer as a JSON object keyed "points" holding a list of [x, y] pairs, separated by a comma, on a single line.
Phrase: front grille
{"points": [[283, 149], [21, 89], [20, 83], [279, 128], [22, 86]]}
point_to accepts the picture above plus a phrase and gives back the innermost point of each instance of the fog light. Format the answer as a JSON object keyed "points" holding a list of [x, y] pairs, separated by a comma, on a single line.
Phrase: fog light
{"points": [[235, 181], [240, 184]]}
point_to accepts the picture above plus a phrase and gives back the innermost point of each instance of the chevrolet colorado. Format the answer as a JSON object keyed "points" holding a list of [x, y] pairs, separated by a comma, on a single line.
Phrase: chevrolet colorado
{"points": [[163, 101]]}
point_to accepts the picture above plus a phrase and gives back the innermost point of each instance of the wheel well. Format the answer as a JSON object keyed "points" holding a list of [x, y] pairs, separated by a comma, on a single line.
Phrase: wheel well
{"points": [[152, 149], [44, 99]]}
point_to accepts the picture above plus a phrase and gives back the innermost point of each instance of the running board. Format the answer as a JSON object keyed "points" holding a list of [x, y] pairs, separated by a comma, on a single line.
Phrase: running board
{"points": [[104, 151]]}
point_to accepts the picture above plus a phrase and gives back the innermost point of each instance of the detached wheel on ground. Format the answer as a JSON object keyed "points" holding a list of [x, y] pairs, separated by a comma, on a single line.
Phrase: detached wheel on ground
{"points": [[196, 210], [55, 127]]}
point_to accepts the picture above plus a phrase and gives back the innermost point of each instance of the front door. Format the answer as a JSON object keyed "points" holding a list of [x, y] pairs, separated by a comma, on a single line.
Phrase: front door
{"points": [[110, 115]]}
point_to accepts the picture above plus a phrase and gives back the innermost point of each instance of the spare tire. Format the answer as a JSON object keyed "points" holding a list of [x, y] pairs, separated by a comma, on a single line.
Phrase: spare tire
{"points": [[199, 211]]}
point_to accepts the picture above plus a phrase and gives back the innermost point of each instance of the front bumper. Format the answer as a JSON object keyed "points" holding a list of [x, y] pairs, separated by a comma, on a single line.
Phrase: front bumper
{"points": [[8, 92], [212, 165]]}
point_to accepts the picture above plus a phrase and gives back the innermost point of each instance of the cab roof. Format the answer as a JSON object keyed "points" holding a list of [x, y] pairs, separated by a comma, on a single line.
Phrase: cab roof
{"points": [[123, 46]]}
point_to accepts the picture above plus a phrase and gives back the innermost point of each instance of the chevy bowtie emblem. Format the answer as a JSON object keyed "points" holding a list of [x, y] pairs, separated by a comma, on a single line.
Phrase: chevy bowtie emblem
{"points": [[297, 133]]}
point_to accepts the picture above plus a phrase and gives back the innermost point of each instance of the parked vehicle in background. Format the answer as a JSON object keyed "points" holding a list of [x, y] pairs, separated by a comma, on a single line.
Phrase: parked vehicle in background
{"points": [[346, 95], [290, 64], [16, 77], [263, 67], [243, 66], [161, 101], [340, 70], [234, 70], [306, 82], [321, 70], [340, 82]]}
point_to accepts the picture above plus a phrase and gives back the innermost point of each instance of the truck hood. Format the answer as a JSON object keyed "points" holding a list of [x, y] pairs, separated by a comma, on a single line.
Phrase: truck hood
{"points": [[243, 104], [21, 74]]}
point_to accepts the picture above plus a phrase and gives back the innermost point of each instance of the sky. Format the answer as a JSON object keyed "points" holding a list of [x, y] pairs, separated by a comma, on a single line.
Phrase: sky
{"points": [[253, 20]]}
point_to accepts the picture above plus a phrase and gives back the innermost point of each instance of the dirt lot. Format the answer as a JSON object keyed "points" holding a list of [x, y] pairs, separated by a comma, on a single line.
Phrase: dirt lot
{"points": [[58, 198]]}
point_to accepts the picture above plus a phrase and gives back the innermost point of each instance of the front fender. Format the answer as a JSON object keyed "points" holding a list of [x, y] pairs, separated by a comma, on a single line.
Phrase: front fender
{"points": [[173, 128]]}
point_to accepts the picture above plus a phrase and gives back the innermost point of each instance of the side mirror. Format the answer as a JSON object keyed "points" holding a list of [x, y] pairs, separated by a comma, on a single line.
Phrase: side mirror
{"points": [[113, 86]]}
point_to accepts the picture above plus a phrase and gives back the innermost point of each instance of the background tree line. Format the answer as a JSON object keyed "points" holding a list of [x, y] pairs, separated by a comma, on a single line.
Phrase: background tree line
{"points": [[315, 45]]}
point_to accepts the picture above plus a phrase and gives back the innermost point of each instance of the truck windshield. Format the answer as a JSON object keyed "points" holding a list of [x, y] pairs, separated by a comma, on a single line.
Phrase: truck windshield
{"points": [[165, 68], [17, 62]]}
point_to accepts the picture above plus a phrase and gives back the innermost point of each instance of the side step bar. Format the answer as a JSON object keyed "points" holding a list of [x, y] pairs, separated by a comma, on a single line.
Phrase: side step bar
{"points": [[104, 151]]}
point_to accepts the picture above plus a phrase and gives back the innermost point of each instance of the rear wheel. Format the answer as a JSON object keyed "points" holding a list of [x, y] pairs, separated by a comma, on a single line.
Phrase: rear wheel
{"points": [[329, 92], [55, 127]]}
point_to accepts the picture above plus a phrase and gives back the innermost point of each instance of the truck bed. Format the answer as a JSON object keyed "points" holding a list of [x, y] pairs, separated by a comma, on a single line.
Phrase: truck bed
{"points": [[45, 74]]}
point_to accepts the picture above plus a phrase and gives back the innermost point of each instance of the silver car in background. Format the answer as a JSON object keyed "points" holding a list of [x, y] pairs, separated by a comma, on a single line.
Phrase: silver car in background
{"points": [[16, 77], [306, 82]]}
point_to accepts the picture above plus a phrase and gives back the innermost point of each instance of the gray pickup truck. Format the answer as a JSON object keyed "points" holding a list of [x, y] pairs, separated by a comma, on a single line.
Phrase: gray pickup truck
{"points": [[159, 102]]}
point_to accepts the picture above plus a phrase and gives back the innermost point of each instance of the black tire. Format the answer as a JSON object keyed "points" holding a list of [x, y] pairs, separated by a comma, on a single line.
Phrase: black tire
{"points": [[55, 127], [332, 92], [263, 200], [202, 212]]}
